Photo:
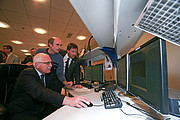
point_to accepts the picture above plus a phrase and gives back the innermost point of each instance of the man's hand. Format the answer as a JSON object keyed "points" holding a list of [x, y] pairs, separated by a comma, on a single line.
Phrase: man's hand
{"points": [[78, 86], [76, 101], [68, 84]]}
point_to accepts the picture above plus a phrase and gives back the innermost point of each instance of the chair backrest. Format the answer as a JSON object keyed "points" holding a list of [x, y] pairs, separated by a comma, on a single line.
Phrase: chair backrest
{"points": [[10, 75], [3, 83]]}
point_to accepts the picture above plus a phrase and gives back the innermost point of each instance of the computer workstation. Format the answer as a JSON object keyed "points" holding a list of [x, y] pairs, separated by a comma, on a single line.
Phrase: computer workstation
{"points": [[142, 79]]}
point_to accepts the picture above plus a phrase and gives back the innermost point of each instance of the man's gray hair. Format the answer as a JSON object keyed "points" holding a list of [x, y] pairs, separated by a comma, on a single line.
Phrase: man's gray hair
{"points": [[38, 57]]}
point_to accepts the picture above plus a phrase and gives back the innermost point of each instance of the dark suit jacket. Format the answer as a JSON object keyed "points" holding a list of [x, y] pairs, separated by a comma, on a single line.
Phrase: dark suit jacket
{"points": [[31, 96], [74, 69], [27, 59]]}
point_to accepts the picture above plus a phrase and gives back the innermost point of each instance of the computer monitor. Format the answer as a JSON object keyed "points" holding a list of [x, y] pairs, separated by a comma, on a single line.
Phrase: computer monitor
{"points": [[122, 73], [148, 74], [87, 73], [98, 73]]}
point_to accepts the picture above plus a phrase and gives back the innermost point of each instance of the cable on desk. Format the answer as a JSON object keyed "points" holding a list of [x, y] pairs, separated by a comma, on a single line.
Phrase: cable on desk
{"points": [[141, 110], [135, 114]]}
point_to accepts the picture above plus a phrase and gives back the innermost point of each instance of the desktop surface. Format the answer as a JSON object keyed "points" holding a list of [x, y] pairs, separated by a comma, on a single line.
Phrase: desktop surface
{"points": [[98, 111]]}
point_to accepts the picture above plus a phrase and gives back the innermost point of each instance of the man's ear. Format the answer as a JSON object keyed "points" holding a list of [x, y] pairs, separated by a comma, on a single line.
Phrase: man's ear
{"points": [[50, 45], [68, 51], [36, 65]]}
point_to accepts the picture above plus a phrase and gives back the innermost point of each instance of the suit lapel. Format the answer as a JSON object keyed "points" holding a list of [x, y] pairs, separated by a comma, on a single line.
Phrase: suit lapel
{"points": [[72, 62]]}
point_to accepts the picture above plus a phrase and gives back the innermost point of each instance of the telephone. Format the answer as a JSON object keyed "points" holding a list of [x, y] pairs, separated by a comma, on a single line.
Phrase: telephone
{"points": [[106, 87]]}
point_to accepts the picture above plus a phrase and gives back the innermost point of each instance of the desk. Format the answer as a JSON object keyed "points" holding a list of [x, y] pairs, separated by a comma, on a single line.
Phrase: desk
{"points": [[98, 112]]}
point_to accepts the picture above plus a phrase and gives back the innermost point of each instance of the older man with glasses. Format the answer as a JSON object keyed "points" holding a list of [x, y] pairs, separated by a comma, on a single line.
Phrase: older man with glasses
{"points": [[32, 100]]}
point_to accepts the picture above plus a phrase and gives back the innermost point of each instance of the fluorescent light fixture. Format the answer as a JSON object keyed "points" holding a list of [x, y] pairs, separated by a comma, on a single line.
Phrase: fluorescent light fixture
{"points": [[42, 44], [27, 53], [25, 50], [3, 25], [40, 0], [40, 30], [81, 37], [16, 42]]}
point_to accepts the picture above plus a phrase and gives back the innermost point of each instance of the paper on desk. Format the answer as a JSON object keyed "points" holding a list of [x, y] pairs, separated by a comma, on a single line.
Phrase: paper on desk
{"points": [[83, 89]]}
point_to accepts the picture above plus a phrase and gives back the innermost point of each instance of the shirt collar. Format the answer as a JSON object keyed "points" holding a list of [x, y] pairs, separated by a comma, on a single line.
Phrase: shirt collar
{"points": [[39, 73], [66, 57]]}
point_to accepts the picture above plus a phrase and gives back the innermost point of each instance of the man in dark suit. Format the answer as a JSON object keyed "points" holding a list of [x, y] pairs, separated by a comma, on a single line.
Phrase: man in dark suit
{"points": [[32, 100], [29, 59], [71, 64]]}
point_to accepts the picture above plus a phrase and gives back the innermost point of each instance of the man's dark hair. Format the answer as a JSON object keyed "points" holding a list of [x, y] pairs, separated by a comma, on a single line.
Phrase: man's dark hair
{"points": [[50, 41], [72, 45], [8, 47], [33, 48]]}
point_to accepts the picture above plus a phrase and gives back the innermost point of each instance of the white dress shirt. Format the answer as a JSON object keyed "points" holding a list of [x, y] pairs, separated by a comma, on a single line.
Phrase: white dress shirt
{"points": [[65, 59]]}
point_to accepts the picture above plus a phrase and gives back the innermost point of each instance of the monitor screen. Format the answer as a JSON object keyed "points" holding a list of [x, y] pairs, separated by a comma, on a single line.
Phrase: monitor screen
{"points": [[98, 73], [122, 73], [148, 74], [87, 73]]}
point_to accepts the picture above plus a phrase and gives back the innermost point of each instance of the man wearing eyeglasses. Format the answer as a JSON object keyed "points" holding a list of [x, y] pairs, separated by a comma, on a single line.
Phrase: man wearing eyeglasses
{"points": [[56, 73], [32, 100]]}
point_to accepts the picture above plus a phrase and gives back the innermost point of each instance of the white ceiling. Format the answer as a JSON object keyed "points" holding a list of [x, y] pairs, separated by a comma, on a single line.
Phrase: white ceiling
{"points": [[56, 16]]}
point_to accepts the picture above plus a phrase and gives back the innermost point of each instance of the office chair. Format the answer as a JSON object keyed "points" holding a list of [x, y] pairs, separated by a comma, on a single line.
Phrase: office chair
{"points": [[8, 77]]}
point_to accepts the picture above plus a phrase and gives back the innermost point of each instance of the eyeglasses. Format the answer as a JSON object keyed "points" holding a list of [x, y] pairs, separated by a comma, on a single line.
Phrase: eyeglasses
{"points": [[47, 63]]}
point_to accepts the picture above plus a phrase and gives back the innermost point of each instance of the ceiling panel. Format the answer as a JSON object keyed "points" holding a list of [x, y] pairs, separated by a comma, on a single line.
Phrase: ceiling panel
{"points": [[76, 21], [57, 26], [13, 5], [55, 33], [73, 29], [16, 17], [63, 5], [37, 22], [58, 17], [37, 10], [2, 17], [21, 27]]}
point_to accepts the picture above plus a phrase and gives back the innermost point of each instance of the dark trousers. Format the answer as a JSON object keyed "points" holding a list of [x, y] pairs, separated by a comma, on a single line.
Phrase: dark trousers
{"points": [[26, 115]]}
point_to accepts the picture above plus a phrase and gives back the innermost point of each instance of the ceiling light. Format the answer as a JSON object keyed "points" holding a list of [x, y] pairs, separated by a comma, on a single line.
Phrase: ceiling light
{"points": [[25, 50], [42, 44], [40, 0], [40, 30], [27, 53], [81, 37], [3, 25], [16, 42]]}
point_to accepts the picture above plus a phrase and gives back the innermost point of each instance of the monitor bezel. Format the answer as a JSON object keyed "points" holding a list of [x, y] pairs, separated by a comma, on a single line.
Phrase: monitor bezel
{"points": [[120, 86], [164, 108]]}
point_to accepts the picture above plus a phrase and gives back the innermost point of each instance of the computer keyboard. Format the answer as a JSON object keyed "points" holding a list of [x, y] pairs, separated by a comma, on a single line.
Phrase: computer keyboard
{"points": [[89, 86], [111, 100]]}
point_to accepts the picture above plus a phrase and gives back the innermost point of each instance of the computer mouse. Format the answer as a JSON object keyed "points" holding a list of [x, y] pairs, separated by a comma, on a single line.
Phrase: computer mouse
{"points": [[90, 105]]}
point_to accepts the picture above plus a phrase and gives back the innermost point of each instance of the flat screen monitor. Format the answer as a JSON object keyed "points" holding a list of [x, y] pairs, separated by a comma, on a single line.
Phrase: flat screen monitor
{"points": [[148, 74], [122, 73], [87, 73], [98, 73]]}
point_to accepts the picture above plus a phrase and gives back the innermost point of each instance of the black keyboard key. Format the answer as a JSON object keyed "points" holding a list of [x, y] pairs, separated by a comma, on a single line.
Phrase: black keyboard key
{"points": [[111, 100]]}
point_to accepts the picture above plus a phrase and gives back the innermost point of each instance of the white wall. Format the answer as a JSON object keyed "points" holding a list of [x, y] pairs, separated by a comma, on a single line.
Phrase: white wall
{"points": [[173, 61]]}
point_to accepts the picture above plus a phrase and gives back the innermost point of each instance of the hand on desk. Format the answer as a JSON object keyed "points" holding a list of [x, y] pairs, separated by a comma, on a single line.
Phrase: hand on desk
{"points": [[68, 84], [77, 101], [78, 86]]}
